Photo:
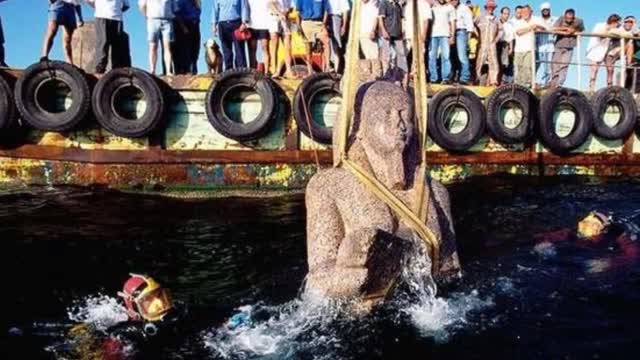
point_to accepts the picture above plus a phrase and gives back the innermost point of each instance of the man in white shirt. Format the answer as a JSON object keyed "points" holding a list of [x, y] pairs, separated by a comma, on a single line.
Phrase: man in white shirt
{"points": [[110, 34], [545, 47], [425, 15], [505, 46], [368, 26], [337, 22], [464, 28], [160, 15], [525, 29], [442, 38]]}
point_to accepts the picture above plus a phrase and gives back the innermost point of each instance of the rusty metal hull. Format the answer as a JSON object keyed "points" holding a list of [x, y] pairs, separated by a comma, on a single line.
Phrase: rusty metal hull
{"points": [[190, 154]]}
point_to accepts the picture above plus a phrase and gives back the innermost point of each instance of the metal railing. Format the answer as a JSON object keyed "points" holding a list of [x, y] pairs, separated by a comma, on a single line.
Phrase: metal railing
{"points": [[580, 54]]}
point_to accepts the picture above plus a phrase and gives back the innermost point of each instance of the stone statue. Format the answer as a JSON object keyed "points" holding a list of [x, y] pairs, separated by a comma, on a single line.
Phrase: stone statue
{"points": [[355, 242]]}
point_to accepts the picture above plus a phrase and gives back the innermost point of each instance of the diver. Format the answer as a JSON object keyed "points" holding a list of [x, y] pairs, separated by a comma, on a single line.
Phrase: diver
{"points": [[152, 317], [601, 231]]}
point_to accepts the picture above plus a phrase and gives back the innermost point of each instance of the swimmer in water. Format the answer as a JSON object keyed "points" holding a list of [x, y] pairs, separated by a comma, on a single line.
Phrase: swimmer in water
{"points": [[598, 229], [152, 316]]}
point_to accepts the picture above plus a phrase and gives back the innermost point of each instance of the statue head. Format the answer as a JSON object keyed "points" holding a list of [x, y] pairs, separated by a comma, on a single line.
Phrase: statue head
{"points": [[386, 131]]}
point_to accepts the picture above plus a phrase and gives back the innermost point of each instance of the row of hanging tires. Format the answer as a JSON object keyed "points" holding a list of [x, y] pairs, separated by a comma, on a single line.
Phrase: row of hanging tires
{"points": [[537, 117]]}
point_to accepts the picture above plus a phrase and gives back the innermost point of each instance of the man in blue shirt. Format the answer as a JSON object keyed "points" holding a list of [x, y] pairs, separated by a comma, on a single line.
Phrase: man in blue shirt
{"points": [[187, 28], [227, 17], [2, 63], [311, 23]]}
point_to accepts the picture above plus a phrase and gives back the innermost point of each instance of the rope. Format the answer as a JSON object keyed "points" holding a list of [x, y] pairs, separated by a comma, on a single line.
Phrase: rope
{"points": [[307, 117]]}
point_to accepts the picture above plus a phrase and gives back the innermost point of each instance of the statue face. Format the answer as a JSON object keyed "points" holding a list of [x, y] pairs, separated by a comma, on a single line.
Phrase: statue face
{"points": [[387, 118]]}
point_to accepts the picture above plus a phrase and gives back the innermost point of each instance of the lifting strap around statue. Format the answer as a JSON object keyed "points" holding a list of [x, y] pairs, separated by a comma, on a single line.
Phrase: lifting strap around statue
{"points": [[416, 218]]}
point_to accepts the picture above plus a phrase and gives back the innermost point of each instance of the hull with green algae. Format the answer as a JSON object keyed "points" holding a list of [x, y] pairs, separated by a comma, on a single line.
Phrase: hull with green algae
{"points": [[189, 155]]}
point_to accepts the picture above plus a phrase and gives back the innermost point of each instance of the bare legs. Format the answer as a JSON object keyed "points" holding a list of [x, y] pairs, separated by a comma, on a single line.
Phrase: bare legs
{"points": [[274, 66], [153, 57], [67, 35]]}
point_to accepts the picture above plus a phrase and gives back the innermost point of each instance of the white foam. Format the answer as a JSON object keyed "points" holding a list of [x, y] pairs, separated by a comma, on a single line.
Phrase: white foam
{"points": [[100, 311]]}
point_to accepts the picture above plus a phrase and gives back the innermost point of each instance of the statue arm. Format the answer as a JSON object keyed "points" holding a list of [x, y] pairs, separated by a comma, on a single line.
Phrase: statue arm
{"points": [[324, 229]]}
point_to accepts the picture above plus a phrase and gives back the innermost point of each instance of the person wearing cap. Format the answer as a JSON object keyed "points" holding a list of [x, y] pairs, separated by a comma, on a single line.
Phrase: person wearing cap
{"points": [[487, 66], [633, 70], [505, 47], [566, 29], [464, 28], [62, 13], [598, 46], [524, 49], [228, 17], [443, 36], [599, 230], [545, 47], [615, 51]]}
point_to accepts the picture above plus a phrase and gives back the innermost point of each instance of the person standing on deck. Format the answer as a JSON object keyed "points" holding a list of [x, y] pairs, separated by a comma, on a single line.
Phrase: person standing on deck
{"points": [[505, 47], [598, 46], [62, 13], [2, 59], [110, 33], [424, 15], [368, 29], [524, 49], [390, 25], [227, 16], [615, 51], [159, 15], [464, 28], [280, 29], [260, 23], [311, 15], [490, 33], [633, 71], [186, 49], [567, 27], [337, 23], [443, 36], [545, 47]]}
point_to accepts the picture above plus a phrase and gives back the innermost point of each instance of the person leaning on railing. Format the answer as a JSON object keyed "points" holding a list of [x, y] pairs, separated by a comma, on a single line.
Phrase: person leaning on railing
{"points": [[566, 29], [598, 46], [615, 50], [525, 29]]}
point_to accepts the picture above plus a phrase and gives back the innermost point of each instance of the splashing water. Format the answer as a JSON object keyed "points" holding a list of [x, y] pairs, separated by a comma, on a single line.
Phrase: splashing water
{"points": [[283, 331], [433, 316], [312, 323], [100, 311]]}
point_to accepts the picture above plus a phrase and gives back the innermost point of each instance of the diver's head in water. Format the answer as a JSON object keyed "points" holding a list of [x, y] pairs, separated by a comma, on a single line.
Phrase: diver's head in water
{"points": [[593, 226], [145, 299]]}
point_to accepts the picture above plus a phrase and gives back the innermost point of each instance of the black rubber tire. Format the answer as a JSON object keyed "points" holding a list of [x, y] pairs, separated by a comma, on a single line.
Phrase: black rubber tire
{"points": [[232, 80], [8, 118], [622, 98], [581, 129], [107, 89], [474, 130], [303, 98], [525, 100], [34, 114]]}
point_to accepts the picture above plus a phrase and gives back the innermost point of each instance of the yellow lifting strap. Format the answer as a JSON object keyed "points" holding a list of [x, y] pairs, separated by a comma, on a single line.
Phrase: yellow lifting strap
{"points": [[417, 217]]}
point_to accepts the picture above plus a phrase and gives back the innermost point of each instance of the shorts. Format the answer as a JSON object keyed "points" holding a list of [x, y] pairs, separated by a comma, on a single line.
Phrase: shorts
{"points": [[260, 34], [279, 26], [160, 29], [64, 16], [312, 29]]}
